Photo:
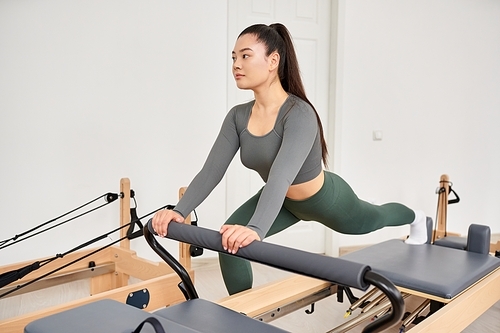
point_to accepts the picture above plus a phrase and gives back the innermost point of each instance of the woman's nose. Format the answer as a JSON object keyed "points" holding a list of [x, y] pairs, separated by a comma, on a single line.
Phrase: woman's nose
{"points": [[236, 65]]}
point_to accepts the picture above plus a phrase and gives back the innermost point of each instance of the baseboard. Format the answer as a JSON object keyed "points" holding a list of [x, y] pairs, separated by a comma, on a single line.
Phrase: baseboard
{"points": [[348, 249]]}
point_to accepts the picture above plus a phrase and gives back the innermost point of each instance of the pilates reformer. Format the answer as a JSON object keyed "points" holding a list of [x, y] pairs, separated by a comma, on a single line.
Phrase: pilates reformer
{"points": [[450, 310], [468, 287], [108, 272], [197, 315]]}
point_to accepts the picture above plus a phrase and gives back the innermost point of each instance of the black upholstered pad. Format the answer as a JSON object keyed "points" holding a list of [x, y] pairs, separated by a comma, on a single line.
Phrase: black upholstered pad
{"points": [[434, 270], [104, 316], [321, 267], [108, 316], [204, 316]]}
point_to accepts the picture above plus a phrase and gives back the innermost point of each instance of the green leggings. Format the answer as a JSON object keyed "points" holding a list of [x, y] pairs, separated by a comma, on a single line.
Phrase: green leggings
{"points": [[335, 205]]}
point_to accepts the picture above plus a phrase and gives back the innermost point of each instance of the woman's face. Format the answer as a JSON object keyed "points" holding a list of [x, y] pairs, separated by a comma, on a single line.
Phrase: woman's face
{"points": [[251, 67]]}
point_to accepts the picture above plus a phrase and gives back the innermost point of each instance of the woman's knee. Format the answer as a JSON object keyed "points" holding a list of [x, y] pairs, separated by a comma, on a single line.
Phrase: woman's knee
{"points": [[236, 272]]}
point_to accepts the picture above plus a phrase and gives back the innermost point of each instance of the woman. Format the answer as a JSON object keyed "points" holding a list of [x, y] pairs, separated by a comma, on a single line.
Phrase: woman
{"points": [[281, 137]]}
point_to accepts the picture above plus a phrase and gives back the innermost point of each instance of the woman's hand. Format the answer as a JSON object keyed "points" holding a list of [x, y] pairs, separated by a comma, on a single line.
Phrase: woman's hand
{"points": [[162, 218], [235, 237]]}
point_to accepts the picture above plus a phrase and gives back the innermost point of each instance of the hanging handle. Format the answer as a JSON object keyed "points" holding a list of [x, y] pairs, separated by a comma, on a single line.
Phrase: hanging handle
{"points": [[457, 198]]}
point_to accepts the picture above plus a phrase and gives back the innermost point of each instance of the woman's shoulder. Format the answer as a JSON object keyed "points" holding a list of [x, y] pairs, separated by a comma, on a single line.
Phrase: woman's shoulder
{"points": [[299, 104], [242, 109], [240, 113], [247, 106], [298, 109]]}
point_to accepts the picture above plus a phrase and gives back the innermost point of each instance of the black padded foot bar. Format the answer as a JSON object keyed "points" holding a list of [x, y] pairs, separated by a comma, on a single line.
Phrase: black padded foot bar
{"points": [[325, 268], [335, 270]]}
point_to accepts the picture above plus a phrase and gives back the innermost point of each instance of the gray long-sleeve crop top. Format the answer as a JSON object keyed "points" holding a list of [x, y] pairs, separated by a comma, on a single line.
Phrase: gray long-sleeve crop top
{"points": [[288, 154]]}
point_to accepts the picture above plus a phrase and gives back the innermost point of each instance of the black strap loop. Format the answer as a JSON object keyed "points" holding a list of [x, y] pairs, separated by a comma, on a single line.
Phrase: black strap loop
{"points": [[134, 220], [457, 198], [25, 270], [154, 322]]}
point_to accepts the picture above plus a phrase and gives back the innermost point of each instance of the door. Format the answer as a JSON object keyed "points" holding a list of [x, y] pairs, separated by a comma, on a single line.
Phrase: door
{"points": [[309, 24]]}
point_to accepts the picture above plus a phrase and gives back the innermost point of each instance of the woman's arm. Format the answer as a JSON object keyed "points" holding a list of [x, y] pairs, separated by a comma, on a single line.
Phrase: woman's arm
{"points": [[223, 150], [299, 135]]}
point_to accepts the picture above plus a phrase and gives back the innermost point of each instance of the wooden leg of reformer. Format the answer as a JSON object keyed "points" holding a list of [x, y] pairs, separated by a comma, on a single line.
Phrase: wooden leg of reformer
{"points": [[116, 279], [184, 254], [125, 218], [124, 211], [444, 188], [442, 211]]}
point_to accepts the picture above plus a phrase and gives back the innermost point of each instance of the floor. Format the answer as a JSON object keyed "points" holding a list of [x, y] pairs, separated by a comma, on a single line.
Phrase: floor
{"points": [[328, 312]]}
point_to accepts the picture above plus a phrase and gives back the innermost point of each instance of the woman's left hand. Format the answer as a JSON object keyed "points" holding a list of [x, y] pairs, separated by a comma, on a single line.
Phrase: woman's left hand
{"points": [[235, 237]]}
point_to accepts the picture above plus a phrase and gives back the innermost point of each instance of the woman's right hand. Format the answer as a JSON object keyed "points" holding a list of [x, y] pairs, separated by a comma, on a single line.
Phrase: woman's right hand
{"points": [[162, 218]]}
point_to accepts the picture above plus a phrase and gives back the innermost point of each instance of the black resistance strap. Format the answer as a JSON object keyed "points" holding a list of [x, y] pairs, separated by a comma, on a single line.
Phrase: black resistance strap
{"points": [[135, 221], [9, 277], [109, 197], [440, 190]]}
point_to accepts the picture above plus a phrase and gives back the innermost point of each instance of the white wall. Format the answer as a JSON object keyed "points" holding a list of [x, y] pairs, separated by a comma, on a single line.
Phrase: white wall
{"points": [[93, 91], [427, 74]]}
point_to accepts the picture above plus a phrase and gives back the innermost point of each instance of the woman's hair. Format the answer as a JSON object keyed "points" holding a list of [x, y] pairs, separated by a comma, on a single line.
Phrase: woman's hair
{"points": [[277, 38]]}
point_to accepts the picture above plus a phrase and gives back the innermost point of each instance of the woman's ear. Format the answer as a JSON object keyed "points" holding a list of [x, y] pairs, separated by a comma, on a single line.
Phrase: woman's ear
{"points": [[274, 61]]}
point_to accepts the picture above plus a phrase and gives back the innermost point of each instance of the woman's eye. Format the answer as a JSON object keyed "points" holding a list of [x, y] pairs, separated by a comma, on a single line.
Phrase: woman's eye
{"points": [[245, 56]]}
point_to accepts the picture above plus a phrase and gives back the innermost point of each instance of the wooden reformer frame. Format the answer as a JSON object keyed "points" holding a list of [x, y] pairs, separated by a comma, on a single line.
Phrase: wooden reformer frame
{"points": [[442, 211], [109, 274]]}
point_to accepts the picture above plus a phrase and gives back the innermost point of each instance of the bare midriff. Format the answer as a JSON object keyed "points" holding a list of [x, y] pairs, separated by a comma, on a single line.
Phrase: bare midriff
{"points": [[306, 190]]}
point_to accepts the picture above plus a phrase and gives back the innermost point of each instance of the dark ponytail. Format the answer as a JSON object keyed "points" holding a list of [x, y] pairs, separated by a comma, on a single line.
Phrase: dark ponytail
{"points": [[277, 38]]}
